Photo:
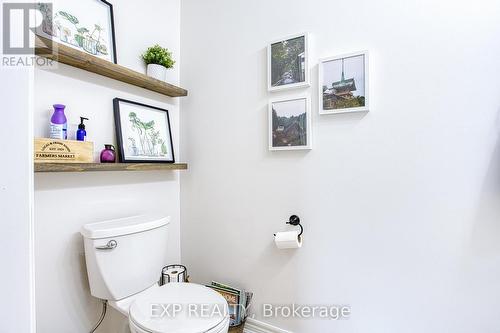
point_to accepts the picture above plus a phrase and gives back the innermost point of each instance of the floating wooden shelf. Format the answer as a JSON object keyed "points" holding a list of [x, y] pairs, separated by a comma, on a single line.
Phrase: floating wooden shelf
{"points": [[70, 56], [85, 167]]}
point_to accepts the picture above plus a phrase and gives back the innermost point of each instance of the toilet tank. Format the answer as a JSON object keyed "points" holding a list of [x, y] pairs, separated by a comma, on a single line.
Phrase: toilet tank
{"points": [[125, 256]]}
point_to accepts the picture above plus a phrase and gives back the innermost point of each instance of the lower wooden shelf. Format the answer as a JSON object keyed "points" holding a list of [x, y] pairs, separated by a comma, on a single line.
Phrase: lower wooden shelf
{"points": [[87, 167]]}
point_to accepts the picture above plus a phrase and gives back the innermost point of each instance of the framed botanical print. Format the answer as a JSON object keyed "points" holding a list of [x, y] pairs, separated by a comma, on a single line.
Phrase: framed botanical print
{"points": [[86, 25], [142, 132], [288, 63]]}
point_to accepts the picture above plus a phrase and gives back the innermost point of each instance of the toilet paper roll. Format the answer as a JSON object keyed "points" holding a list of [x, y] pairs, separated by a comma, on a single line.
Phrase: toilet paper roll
{"points": [[288, 240], [174, 273]]}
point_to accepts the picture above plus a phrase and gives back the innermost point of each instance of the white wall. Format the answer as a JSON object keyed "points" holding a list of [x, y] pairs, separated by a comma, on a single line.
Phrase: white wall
{"points": [[16, 194], [64, 202], [400, 205]]}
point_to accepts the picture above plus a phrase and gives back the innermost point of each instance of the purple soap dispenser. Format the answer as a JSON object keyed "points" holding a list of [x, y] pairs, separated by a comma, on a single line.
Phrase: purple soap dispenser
{"points": [[58, 123], [108, 154]]}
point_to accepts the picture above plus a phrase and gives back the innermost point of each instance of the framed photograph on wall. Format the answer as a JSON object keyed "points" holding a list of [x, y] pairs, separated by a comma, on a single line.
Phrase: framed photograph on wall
{"points": [[343, 84], [288, 63], [86, 25], [142, 132], [290, 124]]}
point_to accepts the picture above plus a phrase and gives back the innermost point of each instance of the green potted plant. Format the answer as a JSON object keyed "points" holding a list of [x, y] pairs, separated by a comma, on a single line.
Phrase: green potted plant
{"points": [[158, 60]]}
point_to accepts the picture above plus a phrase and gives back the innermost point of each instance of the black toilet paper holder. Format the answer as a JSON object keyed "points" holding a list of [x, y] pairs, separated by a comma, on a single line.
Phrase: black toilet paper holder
{"points": [[295, 221]]}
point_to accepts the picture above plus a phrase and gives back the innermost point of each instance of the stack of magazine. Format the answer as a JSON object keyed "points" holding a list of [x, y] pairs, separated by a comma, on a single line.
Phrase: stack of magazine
{"points": [[237, 299]]}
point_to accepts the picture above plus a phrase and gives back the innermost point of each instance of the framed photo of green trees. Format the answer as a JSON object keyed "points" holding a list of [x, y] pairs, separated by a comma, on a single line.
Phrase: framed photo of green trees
{"points": [[142, 133], [288, 63], [290, 123]]}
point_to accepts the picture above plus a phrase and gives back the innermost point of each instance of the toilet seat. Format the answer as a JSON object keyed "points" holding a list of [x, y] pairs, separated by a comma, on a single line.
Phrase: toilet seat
{"points": [[222, 328], [153, 310]]}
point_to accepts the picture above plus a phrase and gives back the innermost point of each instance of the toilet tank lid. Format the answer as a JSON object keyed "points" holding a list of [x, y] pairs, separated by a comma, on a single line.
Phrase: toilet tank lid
{"points": [[124, 226]]}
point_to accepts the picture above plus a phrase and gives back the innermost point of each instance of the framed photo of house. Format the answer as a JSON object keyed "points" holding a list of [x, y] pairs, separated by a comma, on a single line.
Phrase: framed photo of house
{"points": [[85, 25], [288, 63], [290, 124], [343, 84], [142, 132]]}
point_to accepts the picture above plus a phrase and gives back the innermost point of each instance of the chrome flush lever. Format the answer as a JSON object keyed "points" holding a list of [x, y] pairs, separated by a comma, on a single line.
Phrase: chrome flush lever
{"points": [[110, 246]]}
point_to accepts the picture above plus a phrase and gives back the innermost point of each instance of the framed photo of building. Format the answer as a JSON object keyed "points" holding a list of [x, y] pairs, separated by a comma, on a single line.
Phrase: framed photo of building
{"points": [[288, 63], [343, 84], [290, 124], [85, 25], [142, 132]]}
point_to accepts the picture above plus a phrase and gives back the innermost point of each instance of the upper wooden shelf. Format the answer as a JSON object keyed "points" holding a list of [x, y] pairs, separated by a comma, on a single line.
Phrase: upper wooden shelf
{"points": [[70, 56], [84, 167]]}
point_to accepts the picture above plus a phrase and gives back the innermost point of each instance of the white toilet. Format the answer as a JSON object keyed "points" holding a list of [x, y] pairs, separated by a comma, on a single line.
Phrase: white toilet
{"points": [[124, 261]]}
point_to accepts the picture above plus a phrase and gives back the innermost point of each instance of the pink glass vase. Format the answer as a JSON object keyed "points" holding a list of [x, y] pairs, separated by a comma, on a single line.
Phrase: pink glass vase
{"points": [[108, 154]]}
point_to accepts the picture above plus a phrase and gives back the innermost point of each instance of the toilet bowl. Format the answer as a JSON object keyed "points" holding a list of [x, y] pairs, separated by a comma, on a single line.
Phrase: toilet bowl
{"points": [[224, 327], [199, 309], [124, 259]]}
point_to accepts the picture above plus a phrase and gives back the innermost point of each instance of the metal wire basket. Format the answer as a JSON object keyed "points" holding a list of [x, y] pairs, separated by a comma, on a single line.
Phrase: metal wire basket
{"points": [[173, 273]]}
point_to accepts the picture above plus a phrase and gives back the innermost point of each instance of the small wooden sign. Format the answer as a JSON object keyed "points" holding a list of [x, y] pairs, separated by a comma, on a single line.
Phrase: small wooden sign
{"points": [[63, 151]]}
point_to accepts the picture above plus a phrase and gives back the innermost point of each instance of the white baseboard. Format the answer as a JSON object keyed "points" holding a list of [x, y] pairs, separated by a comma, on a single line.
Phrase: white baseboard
{"points": [[256, 326]]}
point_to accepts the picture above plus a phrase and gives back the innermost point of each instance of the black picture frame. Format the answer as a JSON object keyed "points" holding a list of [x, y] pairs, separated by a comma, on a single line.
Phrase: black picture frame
{"points": [[119, 134], [48, 29], [113, 35]]}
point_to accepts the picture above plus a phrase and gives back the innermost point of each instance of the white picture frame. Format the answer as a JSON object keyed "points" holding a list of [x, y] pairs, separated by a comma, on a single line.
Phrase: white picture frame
{"points": [[275, 73], [332, 71], [293, 107]]}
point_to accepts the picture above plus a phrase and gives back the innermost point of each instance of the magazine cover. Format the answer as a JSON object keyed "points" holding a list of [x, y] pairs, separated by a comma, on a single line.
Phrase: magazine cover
{"points": [[233, 301], [242, 299]]}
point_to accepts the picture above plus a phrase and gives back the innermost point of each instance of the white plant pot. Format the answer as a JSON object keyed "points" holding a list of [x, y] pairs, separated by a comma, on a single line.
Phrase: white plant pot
{"points": [[171, 78], [158, 72]]}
